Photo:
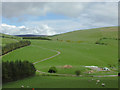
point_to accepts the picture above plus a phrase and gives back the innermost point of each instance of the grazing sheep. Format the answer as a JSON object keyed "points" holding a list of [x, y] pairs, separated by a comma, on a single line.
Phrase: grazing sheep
{"points": [[103, 84], [98, 81], [22, 86], [27, 86]]}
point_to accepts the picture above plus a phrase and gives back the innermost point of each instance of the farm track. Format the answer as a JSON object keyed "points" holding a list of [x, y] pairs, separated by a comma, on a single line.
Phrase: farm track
{"points": [[58, 53]]}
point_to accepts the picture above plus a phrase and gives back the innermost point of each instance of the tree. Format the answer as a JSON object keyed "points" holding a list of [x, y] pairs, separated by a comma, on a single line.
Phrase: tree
{"points": [[12, 46], [78, 72], [52, 70], [12, 71]]}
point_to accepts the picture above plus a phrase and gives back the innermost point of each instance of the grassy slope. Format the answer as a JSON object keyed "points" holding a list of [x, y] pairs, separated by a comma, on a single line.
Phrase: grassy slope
{"points": [[31, 53], [8, 39], [90, 35], [74, 53]]}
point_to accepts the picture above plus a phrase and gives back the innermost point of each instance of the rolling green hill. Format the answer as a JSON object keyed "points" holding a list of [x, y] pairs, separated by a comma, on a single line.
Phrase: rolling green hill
{"points": [[92, 47], [89, 35], [6, 39]]}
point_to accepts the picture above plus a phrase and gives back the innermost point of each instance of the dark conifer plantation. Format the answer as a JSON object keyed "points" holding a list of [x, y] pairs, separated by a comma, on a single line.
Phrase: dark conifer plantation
{"points": [[12, 71]]}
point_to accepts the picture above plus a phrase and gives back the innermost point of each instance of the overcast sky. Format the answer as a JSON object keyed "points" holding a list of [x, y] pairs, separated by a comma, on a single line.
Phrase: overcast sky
{"points": [[43, 18]]}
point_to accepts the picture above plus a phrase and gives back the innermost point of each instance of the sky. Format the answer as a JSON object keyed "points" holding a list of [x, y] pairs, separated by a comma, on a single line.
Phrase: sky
{"points": [[50, 18]]}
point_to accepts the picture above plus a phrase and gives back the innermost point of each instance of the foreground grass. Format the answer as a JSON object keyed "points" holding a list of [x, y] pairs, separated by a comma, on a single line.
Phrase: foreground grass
{"points": [[63, 82]]}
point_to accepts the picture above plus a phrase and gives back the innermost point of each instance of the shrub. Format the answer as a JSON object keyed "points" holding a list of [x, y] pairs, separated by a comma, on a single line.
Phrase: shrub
{"points": [[78, 41], [118, 74], [68, 41], [52, 70], [78, 72], [97, 42]]}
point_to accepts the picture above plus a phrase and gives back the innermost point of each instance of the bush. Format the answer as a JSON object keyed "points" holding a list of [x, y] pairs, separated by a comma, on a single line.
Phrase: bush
{"points": [[78, 72], [97, 42], [52, 70], [68, 41], [118, 74]]}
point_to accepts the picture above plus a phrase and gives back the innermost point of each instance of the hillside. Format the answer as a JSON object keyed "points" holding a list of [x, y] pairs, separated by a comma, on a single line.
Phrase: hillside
{"points": [[6, 39], [89, 35], [92, 47]]}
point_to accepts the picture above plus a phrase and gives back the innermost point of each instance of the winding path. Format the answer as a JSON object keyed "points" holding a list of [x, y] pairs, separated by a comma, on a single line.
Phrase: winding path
{"points": [[58, 52]]}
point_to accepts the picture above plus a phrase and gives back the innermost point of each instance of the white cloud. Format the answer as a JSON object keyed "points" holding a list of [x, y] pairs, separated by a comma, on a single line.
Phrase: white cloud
{"points": [[8, 26], [39, 30], [82, 15]]}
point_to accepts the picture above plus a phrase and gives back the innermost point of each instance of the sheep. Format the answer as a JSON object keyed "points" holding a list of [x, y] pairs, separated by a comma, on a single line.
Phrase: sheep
{"points": [[98, 81], [27, 86], [22, 86], [103, 84]]}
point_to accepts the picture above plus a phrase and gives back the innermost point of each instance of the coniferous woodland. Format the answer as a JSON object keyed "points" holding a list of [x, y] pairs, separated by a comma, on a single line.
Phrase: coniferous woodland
{"points": [[12, 46], [12, 71]]}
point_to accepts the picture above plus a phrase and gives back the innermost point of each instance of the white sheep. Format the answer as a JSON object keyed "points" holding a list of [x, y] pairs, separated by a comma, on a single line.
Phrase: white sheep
{"points": [[27, 86], [98, 81], [22, 86], [103, 84]]}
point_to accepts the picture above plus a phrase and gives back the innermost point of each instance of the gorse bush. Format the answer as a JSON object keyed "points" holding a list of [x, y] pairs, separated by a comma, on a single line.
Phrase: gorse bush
{"points": [[12, 71], [52, 70], [68, 41], [12, 46]]}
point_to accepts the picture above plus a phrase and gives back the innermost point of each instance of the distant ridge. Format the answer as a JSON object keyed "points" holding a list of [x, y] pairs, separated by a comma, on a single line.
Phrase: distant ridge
{"points": [[31, 35]]}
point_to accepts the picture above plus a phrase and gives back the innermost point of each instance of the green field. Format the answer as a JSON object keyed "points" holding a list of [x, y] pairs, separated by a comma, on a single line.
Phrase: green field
{"points": [[78, 49], [63, 82], [6, 39]]}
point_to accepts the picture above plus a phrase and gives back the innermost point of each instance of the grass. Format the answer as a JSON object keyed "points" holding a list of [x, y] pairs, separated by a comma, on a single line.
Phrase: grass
{"points": [[90, 35], [78, 49], [63, 82], [31, 53], [6, 39]]}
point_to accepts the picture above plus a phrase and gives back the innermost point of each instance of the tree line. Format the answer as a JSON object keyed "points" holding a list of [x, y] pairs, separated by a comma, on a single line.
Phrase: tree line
{"points": [[12, 46], [12, 71], [41, 38]]}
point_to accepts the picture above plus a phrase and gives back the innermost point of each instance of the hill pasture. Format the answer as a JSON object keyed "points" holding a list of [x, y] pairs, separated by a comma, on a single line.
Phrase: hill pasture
{"points": [[78, 49]]}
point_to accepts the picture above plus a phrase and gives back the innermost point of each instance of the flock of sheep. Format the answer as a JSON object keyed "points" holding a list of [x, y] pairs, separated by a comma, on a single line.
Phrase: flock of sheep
{"points": [[97, 82]]}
